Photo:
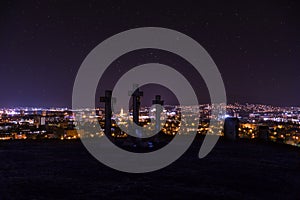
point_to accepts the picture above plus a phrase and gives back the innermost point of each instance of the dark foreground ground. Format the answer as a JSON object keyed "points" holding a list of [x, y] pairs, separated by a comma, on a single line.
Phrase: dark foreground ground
{"points": [[65, 170]]}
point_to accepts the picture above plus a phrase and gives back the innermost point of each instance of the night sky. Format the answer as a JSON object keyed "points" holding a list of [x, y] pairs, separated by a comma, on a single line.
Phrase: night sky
{"points": [[256, 47]]}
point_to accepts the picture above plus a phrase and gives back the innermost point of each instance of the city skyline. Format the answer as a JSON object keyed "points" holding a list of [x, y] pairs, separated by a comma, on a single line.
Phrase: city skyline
{"points": [[149, 99]]}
